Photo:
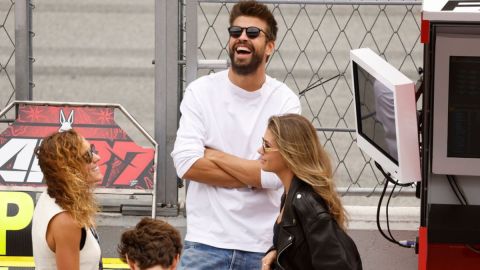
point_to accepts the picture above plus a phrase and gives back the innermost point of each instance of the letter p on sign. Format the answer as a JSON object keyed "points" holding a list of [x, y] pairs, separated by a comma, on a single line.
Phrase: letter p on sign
{"points": [[21, 201]]}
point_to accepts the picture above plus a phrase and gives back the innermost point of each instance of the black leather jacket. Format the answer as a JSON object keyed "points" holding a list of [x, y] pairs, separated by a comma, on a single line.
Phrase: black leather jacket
{"points": [[309, 238]]}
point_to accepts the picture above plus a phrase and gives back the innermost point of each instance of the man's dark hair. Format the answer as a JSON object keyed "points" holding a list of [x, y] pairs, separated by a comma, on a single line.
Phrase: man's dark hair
{"points": [[257, 10], [152, 242]]}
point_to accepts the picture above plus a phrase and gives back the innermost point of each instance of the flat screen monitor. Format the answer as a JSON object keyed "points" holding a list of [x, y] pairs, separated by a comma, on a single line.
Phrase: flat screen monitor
{"points": [[456, 106], [386, 115]]}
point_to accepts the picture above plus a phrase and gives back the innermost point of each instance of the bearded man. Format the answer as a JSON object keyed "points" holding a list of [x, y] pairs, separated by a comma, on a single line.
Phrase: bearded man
{"points": [[231, 203]]}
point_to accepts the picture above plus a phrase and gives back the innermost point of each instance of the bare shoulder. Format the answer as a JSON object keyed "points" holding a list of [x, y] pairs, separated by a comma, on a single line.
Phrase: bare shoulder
{"points": [[63, 230], [64, 219], [63, 226]]}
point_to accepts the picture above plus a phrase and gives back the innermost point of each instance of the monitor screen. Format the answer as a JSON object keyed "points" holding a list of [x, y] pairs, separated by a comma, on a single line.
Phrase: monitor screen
{"points": [[377, 113], [386, 115]]}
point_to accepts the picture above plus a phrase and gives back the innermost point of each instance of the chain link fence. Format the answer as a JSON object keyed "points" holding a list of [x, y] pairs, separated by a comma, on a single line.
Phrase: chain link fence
{"points": [[312, 46], [7, 52], [312, 58]]}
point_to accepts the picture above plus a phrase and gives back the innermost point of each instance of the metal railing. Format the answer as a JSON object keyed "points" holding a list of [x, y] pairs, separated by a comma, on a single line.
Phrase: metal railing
{"points": [[7, 52], [15, 51]]}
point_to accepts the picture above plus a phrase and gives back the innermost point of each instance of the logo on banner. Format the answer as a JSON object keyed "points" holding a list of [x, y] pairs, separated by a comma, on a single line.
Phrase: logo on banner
{"points": [[66, 124]]}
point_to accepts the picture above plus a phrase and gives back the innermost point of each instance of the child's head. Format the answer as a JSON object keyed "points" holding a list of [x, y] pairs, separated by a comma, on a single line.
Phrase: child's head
{"points": [[152, 244]]}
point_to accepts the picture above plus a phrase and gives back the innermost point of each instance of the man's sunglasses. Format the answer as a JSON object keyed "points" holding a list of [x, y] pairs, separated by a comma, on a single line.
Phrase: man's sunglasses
{"points": [[88, 156], [251, 31]]}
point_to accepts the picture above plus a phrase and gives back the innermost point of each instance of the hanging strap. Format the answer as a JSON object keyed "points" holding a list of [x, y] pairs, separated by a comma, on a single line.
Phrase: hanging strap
{"points": [[83, 238]]}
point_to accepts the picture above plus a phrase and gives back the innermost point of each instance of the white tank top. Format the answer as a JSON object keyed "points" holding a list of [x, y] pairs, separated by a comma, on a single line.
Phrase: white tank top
{"points": [[44, 257]]}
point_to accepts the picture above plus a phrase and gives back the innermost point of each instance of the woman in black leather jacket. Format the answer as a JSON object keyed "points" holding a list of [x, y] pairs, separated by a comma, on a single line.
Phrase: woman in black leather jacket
{"points": [[310, 229]]}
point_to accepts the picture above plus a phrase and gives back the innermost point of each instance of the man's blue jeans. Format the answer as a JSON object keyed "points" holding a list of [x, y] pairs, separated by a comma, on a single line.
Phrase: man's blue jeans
{"points": [[196, 256]]}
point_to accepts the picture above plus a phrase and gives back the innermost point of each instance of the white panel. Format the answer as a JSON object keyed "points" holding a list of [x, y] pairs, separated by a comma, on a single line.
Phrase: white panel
{"points": [[448, 45]]}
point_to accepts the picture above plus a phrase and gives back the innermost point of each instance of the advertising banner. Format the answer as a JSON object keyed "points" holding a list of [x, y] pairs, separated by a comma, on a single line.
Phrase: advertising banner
{"points": [[124, 164]]}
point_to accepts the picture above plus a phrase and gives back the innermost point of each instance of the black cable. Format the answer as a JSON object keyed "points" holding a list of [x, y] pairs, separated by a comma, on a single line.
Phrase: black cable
{"points": [[389, 179], [386, 212], [316, 84], [311, 86], [460, 191], [409, 184], [463, 201], [419, 85], [455, 191], [389, 238], [378, 214]]}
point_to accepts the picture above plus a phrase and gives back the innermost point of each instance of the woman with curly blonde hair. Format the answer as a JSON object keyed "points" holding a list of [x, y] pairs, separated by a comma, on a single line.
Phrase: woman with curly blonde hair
{"points": [[310, 230], [63, 228]]}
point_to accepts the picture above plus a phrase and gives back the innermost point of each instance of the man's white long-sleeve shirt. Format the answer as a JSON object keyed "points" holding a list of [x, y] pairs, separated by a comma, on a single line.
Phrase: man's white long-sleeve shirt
{"points": [[220, 115]]}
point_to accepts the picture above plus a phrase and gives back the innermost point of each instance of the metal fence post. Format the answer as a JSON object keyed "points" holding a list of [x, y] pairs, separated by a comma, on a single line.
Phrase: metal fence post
{"points": [[191, 37], [23, 50], [166, 100]]}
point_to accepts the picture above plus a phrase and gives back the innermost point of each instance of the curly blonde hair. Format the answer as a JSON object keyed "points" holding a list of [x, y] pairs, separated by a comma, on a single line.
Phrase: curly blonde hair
{"points": [[61, 159], [300, 147]]}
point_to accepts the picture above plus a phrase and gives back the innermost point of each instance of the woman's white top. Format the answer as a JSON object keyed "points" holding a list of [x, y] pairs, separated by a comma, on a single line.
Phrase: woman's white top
{"points": [[45, 210]]}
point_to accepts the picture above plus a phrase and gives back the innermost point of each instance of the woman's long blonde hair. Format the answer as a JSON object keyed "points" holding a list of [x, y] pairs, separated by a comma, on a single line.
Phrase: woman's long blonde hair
{"points": [[61, 159], [300, 147]]}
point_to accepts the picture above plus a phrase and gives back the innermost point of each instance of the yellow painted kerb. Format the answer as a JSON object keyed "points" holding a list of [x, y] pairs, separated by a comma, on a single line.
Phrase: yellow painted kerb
{"points": [[17, 261]]}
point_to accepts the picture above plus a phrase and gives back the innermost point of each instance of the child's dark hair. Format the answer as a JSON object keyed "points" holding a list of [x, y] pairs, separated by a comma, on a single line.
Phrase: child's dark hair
{"points": [[152, 242]]}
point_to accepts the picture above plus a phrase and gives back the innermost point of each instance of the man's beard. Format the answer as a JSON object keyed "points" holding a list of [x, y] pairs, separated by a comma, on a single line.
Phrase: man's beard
{"points": [[245, 68]]}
